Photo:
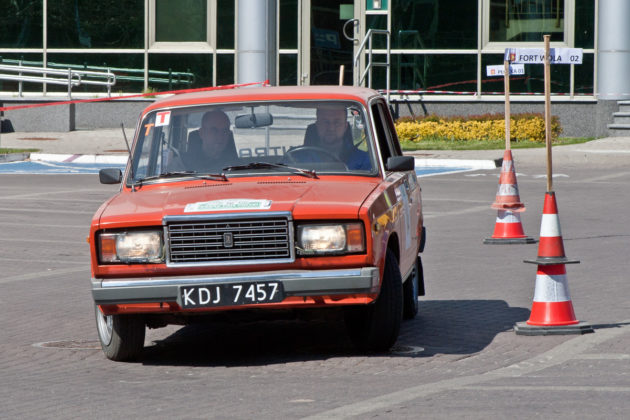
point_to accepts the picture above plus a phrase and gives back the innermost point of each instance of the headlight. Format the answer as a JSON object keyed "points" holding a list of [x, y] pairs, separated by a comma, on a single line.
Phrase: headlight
{"points": [[330, 238], [131, 247]]}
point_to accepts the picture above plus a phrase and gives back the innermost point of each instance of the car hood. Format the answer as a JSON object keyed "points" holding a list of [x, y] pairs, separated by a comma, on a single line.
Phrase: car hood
{"points": [[305, 199]]}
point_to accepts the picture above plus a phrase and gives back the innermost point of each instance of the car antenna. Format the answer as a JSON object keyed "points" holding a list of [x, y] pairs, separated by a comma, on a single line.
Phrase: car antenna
{"points": [[122, 127]]}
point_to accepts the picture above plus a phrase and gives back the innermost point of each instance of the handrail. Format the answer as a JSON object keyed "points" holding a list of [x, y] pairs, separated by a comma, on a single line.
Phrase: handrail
{"points": [[359, 81], [155, 76], [72, 77]]}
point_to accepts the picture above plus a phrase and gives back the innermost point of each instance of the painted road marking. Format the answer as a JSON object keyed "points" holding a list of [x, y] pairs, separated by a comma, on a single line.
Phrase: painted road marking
{"points": [[52, 168]]}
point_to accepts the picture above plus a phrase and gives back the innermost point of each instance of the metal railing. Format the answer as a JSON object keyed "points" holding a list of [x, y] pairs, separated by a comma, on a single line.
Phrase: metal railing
{"points": [[47, 75], [155, 77], [360, 80]]}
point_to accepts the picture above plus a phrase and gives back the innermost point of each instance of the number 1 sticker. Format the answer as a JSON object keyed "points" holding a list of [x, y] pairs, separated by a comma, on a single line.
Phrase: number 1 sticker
{"points": [[162, 118]]}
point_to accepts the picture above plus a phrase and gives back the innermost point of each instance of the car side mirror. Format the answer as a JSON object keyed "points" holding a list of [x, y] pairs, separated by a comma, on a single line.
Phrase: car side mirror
{"points": [[400, 163], [110, 176]]}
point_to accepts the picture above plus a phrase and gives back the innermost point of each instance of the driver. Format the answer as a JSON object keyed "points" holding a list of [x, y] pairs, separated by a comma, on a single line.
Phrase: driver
{"points": [[332, 133]]}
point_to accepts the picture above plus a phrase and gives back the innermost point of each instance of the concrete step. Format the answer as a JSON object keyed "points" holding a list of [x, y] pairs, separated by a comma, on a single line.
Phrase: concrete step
{"points": [[621, 118], [618, 130], [624, 106]]}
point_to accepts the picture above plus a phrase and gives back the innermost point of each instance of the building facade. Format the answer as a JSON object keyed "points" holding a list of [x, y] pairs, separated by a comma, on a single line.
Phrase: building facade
{"points": [[438, 49]]}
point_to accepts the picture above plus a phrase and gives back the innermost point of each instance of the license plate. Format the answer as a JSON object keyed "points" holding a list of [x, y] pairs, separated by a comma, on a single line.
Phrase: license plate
{"points": [[231, 294]]}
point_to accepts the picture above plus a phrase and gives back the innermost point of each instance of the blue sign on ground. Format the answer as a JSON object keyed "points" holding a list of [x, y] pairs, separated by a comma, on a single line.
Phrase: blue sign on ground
{"points": [[51, 168]]}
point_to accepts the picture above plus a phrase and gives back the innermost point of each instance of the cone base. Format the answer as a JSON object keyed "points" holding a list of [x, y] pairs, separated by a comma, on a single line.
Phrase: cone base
{"points": [[509, 241], [523, 328]]}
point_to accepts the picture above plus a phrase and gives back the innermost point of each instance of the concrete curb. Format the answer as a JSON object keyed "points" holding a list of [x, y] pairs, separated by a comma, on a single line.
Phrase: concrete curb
{"points": [[460, 163], [51, 157]]}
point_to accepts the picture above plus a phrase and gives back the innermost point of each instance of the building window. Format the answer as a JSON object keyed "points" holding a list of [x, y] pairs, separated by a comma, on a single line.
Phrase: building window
{"points": [[443, 24], [522, 21], [73, 24], [181, 24], [21, 24]]}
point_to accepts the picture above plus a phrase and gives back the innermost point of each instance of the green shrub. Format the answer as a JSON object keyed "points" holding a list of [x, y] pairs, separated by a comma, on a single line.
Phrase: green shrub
{"points": [[523, 127]]}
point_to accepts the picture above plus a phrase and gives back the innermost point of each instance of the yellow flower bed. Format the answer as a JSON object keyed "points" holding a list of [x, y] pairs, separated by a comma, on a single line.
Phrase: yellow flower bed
{"points": [[527, 127]]}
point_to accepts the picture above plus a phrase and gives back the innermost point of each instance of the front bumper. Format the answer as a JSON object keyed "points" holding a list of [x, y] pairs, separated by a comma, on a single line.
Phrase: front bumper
{"points": [[296, 283]]}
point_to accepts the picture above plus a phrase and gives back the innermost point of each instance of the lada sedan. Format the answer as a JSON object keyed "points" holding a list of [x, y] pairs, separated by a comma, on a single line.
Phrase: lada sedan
{"points": [[261, 199]]}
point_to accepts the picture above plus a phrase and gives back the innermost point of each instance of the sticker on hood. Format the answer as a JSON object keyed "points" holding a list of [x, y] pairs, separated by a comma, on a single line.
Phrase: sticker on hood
{"points": [[229, 204]]}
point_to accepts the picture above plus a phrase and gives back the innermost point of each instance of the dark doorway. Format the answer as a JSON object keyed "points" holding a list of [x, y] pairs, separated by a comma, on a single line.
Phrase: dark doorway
{"points": [[329, 47]]}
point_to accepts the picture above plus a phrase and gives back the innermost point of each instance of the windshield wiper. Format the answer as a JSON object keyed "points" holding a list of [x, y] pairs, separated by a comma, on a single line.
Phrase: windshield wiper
{"points": [[267, 165], [176, 174]]}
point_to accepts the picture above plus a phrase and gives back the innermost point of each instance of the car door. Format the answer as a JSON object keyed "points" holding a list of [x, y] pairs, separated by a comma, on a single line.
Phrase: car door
{"points": [[405, 186]]}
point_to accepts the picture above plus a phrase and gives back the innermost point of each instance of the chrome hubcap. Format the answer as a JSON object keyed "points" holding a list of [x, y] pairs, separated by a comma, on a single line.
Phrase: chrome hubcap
{"points": [[104, 324]]}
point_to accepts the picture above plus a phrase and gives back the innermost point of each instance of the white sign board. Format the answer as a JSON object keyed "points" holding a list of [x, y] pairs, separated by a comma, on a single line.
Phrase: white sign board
{"points": [[537, 55], [499, 70]]}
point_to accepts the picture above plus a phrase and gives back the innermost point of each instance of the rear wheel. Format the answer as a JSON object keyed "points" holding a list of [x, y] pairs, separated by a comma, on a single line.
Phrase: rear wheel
{"points": [[375, 327], [121, 336], [411, 291]]}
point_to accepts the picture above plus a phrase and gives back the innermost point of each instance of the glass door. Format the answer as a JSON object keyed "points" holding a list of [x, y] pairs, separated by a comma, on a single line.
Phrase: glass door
{"points": [[324, 47]]}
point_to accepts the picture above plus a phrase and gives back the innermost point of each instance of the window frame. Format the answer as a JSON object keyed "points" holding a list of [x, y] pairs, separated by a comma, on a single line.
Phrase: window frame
{"points": [[568, 31], [209, 45]]}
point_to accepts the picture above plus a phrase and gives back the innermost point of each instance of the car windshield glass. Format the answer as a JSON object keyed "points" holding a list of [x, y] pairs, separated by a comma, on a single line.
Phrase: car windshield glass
{"points": [[318, 137]]}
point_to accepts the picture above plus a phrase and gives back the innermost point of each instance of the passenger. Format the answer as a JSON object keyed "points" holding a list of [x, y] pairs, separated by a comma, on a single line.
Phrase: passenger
{"points": [[332, 133], [211, 147]]}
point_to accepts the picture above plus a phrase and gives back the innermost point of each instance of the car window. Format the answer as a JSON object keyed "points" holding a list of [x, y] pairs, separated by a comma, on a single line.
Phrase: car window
{"points": [[390, 129], [329, 137], [382, 133]]}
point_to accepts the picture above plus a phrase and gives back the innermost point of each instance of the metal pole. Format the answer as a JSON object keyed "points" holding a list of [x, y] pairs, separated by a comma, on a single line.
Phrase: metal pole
{"points": [[341, 70], [370, 63], [548, 114], [20, 83], [388, 68], [506, 84]]}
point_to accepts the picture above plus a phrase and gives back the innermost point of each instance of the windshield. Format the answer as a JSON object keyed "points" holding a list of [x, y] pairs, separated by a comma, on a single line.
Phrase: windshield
{"points": [[303, 138]]}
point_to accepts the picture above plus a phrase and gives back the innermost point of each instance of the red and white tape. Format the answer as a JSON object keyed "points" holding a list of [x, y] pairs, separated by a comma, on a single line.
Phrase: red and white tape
{"points": [[139, 95]]}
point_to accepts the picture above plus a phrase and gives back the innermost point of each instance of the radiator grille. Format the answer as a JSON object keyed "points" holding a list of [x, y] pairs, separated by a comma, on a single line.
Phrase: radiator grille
{"points": [[216, 241]]}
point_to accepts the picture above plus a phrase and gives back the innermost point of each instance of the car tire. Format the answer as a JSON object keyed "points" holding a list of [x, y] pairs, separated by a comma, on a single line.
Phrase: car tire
{"points": [[411, 291], [375, 327], [121, 336]]}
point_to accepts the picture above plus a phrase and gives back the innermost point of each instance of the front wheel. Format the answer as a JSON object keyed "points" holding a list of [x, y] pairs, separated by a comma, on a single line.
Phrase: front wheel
{"points": [[121, 336], [375, 327]]}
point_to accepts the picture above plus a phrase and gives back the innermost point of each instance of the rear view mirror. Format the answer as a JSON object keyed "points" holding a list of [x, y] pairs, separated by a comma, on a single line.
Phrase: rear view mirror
{"points": [[401, 163], [110, 176], [253, 120]]}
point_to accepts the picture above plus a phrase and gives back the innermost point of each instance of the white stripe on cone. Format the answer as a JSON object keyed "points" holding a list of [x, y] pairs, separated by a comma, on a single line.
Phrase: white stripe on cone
{"points": [[550, 226], [504, 216], [507, 189], [551, 288]]}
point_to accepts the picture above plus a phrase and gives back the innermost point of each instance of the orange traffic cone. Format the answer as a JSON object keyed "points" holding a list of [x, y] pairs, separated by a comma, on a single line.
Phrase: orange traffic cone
{"points": [[508, 228], [507, 195], [552, 309]]}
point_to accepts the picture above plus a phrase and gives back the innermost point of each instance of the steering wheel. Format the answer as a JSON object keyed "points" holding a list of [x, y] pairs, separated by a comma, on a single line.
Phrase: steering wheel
{"points": [[291, 154]]}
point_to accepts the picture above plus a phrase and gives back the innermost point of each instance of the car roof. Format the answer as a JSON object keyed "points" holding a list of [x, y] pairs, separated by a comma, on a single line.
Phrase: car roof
{"points": [[272, 93]]}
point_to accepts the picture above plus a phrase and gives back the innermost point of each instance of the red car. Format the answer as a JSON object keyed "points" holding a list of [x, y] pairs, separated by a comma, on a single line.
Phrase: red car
{"points": [[263, 198]]}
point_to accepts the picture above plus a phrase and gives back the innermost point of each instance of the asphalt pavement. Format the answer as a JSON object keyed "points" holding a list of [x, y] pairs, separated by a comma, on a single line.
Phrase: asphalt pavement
{"points": [[110, 144], [460, 358]]}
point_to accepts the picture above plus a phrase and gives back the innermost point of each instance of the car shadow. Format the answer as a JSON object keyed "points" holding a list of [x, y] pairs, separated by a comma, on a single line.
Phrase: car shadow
{"points": [[441, 327]]}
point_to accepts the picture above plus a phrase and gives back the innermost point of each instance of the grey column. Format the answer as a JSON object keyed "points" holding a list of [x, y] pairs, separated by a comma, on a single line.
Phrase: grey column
{"points": [[613, 61], [256, 41]]}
